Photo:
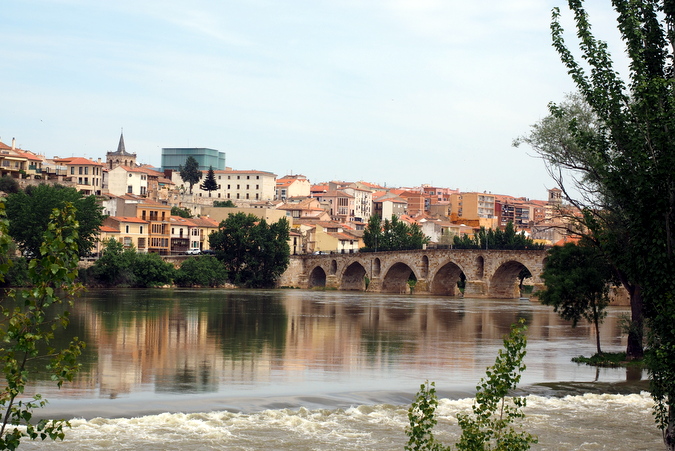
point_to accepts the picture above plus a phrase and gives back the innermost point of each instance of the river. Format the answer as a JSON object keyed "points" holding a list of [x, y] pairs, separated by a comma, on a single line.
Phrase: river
{"points": [[325, 370]]}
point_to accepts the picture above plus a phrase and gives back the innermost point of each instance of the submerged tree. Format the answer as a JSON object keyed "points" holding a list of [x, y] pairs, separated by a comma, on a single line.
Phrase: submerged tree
{"points": [[577, 280], [554, 139]]}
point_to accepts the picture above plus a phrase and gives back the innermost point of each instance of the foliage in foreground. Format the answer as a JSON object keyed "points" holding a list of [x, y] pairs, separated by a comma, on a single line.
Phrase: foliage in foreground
{"points": [[632, 155], [27, 329], [491, 425]]}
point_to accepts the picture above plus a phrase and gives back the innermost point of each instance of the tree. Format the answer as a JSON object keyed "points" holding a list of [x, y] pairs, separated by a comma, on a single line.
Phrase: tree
{"points": [[28, 213], [182, 212], [210, 183], [126, 267], [226, 204], [491, 425], [497, 239], [190, 173], [577, 281], [632, 155], [393, 235], [114, 266], [204, 271], [28, 324], [554, 140], [254, 253], [9, 184]]}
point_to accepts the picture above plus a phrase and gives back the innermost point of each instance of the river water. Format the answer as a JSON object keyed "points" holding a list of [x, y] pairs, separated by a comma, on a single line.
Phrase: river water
{"points": [[326, 370]]}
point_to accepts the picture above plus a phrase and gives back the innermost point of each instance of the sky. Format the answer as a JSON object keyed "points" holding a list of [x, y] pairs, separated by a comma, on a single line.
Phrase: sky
{"points": [[394, 92]]}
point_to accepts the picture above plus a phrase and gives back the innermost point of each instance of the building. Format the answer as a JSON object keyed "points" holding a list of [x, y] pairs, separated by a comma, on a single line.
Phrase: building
{"points": [[130, 231], [174, 157], [127, 180], [241, 187], [157, 216], [292, 186], [474, 209], [85, 174], [120, 157]]}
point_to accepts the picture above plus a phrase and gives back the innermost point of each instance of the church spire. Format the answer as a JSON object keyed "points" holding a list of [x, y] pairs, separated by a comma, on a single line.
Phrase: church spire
{"points": [[120, 147]]}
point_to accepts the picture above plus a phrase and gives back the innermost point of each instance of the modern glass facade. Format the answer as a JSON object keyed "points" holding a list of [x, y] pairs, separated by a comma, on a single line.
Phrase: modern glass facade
{"points": [[173, 157]]}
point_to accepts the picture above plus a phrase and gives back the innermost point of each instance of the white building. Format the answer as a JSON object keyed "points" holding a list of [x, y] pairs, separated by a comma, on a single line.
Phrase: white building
{"points": [[125, 180]]}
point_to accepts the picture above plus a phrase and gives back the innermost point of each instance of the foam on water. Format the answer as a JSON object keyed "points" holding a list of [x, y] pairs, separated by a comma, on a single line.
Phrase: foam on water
{"points": [[583, 422]]}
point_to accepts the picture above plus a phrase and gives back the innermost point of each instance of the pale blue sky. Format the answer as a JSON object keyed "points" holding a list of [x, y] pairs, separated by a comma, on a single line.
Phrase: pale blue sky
{"points": [[396, 92]]}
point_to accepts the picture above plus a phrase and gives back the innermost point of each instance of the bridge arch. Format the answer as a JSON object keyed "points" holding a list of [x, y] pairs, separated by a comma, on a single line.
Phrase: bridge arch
{"points": [[317, 277], [353, 277], [445, 280], [504, 282], [396, 278]]}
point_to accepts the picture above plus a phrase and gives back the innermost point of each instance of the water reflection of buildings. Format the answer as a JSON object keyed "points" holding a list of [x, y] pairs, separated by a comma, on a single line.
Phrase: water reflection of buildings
{"points": [[182, 349]]}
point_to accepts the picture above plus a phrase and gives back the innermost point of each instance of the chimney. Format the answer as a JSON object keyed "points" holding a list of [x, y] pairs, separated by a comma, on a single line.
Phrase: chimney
{"points": [[13, 143]]}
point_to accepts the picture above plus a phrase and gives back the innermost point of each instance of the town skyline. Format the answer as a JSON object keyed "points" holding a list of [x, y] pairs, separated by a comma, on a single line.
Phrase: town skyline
{"points": [[403, 92]]}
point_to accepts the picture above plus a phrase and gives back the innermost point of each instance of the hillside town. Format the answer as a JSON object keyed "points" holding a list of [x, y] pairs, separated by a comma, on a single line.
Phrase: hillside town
{"points": [[324, 217]]}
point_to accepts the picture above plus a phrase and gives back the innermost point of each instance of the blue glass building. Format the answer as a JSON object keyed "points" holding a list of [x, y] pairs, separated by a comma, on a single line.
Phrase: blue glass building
{"points": [[173, 157]]}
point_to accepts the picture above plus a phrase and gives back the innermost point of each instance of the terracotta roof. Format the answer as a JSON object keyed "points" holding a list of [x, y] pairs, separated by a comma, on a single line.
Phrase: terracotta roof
{"points": [[128, 219], [83, 161]]}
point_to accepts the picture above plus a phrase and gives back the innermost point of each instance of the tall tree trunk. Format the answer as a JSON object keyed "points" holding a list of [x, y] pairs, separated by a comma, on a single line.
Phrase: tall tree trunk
{"points": [[634, 349], [669, 432]]}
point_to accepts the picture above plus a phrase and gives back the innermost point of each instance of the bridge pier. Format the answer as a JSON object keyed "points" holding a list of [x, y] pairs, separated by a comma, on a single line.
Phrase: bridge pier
{"points": [[475, 289]]}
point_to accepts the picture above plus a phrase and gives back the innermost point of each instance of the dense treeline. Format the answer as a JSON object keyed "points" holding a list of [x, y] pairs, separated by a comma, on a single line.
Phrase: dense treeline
{"points": [[496, 239], [392, 235]]}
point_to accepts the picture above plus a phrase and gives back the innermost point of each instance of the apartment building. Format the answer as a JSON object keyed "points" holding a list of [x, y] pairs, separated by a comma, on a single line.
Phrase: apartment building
{"points": [[127, 180], [157, 215], [130, 231], [85, 174], [291, 186], [474, 209]]}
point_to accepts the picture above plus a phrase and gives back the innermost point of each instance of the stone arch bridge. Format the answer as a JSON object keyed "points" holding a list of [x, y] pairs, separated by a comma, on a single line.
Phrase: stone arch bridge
{"points": [[488, 273]]}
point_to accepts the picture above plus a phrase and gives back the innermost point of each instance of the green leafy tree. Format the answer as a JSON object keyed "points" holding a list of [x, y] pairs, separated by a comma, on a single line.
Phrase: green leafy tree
{"points": [[210, 183], [9, 185], [393, 235], [190, 173], [226, 204], [497, 239], [181, 212], [114, 267], [27, 328], [204, 271], [28, 212], [126, 267], [571, 165], [633, 154], [577, 280], [491, 426], [254, 253]]}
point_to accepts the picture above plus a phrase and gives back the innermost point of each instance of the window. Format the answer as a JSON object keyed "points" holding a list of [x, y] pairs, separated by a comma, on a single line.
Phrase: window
{"points": [[247, 186], [248, 177], [130, 189], [126, 229], [86, 170], [72, 170], [140, 230], [80, 170]]}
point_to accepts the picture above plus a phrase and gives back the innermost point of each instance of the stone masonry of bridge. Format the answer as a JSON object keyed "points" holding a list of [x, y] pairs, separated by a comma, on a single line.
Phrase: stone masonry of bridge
{"points": [[488, 273]]}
